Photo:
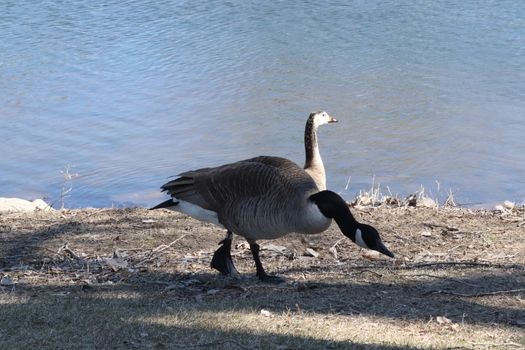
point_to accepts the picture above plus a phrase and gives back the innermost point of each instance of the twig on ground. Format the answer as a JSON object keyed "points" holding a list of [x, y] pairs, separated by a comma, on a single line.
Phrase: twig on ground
{"points": [[456, 247], [336, 243], [445, 264], [499, 344], [466, 263], [441, 277], [366, 270], [432, 225], [216, 344], [158, 250], [333, 249], [501, 257], [65, 248], [475, 295], [165, 283]]}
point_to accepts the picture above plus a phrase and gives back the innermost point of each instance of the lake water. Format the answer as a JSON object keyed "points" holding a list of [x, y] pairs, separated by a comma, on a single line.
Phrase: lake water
{"points": [[127, 93]]}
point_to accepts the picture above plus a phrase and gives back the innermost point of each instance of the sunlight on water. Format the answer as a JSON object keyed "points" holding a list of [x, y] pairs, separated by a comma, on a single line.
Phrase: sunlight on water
{"points": [[129, 93]]}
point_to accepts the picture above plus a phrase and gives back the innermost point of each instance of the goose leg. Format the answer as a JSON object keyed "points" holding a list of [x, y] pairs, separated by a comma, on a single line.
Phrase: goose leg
{"points": [[222, 259], [254, 247]]}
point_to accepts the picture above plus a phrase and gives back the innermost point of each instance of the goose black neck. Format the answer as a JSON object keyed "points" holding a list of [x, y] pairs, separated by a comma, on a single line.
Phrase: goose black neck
{"points": [[310, 141], [334, 207], [347, 223]]}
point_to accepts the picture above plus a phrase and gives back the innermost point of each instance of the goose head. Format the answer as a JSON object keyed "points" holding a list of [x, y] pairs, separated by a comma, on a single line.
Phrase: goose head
{"points": [[320, 118], [334, 207]]}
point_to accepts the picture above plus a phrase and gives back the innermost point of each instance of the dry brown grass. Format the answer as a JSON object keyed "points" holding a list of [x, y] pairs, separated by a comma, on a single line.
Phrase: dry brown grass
{"points": [[110, 279]]}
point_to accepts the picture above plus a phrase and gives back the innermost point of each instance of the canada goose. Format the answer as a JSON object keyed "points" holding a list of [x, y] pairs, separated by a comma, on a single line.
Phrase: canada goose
{"points": [[314, 164], [263, 198]]}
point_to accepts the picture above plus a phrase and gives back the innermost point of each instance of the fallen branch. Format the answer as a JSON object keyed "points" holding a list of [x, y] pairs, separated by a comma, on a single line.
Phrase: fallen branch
{"points": [[499, 344], [464, 263], [475, 295], [441, 277], [333, 249], [339, 241], [448, 228], [158, 250]]}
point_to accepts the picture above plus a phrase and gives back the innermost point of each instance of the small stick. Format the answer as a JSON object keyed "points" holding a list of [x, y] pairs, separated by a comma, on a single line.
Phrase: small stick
{"points": [[456, 247], [480, 294], [498, 344], [333, 250], [449, 263], [442, 277], [68, 250], [366, 270], [431, 225], [157, 282], [158, 250], [164, 247], [336, 243], [216, 344]]}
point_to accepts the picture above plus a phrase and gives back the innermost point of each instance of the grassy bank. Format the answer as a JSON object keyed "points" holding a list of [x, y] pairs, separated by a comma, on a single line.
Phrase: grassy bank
{"points": [[135, 278]]}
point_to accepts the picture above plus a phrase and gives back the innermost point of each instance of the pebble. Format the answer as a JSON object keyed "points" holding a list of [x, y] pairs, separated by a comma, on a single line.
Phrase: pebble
{"points": [[6, 281], [426, 202]]}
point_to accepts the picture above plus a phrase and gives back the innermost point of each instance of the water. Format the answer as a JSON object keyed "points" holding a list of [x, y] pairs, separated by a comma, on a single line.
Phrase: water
{"points": [[128, 93]]}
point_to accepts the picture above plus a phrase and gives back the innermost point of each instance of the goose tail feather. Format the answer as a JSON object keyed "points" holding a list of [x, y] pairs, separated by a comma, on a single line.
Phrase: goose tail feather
{"points": [[166, 204]]}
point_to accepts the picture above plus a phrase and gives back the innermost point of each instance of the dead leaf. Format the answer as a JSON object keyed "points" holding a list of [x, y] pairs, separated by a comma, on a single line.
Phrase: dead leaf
{"points": [[333, 251], [119, 254], [279, 249], [371, 255], [426, 202], [311, 252], [6, 281], [443, 320], [266, 313], [426, 233], [116, 263]]}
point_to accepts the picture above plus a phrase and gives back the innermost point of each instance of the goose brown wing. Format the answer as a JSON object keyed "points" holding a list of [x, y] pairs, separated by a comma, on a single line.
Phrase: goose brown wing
{"points": [[219, 187], [277, 162]]}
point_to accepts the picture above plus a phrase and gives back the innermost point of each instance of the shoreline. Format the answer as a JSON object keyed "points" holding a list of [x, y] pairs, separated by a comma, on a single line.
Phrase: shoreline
{"points": [[371, 199]]}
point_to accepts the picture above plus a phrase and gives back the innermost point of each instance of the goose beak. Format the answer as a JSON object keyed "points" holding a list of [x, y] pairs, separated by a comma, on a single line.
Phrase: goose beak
{"points": [[380, 247], [332, 120]]}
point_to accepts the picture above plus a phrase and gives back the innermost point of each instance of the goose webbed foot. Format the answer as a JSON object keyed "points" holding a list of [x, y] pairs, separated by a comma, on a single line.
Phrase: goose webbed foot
{"points": [[263, 276], [222, 259]]}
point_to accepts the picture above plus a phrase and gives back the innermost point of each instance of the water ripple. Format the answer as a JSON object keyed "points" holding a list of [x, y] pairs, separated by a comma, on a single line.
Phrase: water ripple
{"points": [[128, 93]]}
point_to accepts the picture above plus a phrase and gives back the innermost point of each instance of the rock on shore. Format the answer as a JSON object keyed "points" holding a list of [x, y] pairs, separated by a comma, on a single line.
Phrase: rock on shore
{"points": [[14, 205]]}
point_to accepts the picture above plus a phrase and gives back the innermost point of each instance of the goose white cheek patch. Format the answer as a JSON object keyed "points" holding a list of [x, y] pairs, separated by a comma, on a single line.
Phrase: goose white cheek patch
{"points": [[359, 239]]}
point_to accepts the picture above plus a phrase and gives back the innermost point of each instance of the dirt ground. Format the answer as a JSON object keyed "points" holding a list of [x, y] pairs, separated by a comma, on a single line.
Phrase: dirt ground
{"points": [[133, 278]]}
